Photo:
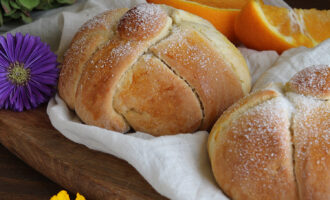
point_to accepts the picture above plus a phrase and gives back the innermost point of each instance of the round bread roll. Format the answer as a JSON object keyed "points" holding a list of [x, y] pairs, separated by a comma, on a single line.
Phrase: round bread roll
{"points": [[275, 143], [152, 68]]}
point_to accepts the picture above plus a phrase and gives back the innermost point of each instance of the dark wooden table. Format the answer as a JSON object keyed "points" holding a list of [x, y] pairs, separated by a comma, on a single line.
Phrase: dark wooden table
{"points": [[19, 181]]}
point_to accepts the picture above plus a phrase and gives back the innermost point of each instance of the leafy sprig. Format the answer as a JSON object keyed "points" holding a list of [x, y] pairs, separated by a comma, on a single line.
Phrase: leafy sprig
{"points": [[20, 9]]}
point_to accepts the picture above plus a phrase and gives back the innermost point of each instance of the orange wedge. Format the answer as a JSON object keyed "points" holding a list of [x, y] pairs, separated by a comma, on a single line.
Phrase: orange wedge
{"points": [[265, 27], [238, 4], [221, 13], [317, 23]]}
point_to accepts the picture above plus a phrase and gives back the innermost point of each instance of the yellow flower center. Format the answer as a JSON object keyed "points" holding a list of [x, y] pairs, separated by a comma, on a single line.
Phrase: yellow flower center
{"points": [[18, 74]]}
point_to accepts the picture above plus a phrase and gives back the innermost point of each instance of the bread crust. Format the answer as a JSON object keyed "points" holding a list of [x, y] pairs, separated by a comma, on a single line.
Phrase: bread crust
{"points": [[312, 81], [311, 131], [142, 23], [91, 36], [250, 155], [98, 82], [101, 75], [100, 88], [295, 134], [233, 112], [150, 96], [191, 56]]}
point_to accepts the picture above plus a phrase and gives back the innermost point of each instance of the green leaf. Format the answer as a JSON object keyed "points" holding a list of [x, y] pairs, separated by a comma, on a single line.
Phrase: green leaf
{"points": [[6, 7], [28, 4], [16, 15], [11, 12], [7, 19], [46, 4], [1, 18], [14, 4], [25, 18], [66, 1]]}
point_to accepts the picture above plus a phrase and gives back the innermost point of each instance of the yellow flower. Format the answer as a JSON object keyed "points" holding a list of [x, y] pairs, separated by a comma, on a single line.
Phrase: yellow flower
{"points": [[80, 197], [63, 195]]}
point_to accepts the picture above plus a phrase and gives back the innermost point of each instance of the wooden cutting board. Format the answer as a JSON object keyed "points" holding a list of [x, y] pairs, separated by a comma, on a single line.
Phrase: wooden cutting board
{"points": [[31, 137]]}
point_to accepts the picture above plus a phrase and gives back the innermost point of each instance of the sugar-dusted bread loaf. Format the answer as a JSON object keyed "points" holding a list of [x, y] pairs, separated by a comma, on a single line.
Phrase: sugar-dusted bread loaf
{"points": [[275, 143], [152, 68]]}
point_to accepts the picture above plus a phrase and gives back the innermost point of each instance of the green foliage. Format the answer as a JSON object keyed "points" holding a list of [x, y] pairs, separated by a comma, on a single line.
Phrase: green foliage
{"points": [[28, 4], [20, 9]]}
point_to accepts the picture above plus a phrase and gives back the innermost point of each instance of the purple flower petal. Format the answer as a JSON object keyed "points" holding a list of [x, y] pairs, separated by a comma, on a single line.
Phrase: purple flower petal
{"points": [[39, 81], [3, 70], [19, 39], [4, 46], [14, 95], [36, 66], [27, 51], [3, 62], [24, 45], [11, 45], [43, 69], [26, 100], [32, 98], [5, 93], [4, 55], [34, 55]]}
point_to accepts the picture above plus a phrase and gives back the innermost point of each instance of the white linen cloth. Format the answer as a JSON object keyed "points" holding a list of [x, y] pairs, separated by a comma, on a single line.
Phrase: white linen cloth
{"points": [[292, 61], [176, 166]]}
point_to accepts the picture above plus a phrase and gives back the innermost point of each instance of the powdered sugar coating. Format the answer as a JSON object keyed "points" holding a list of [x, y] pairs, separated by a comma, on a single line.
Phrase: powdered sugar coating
{"points": [[90, 37], [259, 143], [141, 22], [113, 53], [149, 24], [190, 55], [311, 130], [98, 20], [282, 141], [78, 46], [314, 80], [307, 110]]}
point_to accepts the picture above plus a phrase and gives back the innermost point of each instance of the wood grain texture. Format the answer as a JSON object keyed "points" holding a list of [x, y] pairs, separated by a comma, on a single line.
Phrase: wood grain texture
{"points": [[19, 181], [31, 137]]}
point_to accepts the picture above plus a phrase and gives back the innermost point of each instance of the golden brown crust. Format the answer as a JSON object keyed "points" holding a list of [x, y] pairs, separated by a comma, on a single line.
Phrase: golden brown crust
{"points": [[255, 153], [155, 100], [234, 111], [312, 81], [102, 100], [142, 22], [249, 148], [88, 39], [191, 56], [276, 144], [99, 80], [311, 130], [219, 42]]}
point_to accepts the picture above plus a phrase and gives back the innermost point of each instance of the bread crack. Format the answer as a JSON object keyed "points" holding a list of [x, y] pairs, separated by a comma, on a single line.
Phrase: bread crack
{"points": [[291, 130], [189, 85], [163, 34]]}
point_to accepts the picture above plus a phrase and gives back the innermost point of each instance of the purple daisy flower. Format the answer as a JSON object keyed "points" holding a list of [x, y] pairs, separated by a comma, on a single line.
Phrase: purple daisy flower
{"points": [[28, 72]]}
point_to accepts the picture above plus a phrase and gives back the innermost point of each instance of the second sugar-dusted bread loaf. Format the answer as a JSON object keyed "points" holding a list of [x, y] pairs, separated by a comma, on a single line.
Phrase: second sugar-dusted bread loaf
{"points": [[275, 143]]}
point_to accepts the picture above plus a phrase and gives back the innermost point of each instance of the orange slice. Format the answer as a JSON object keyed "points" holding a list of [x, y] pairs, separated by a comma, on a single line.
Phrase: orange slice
{"points": [[265, 27], [221, 13], [238, 4], [317, 23]]}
